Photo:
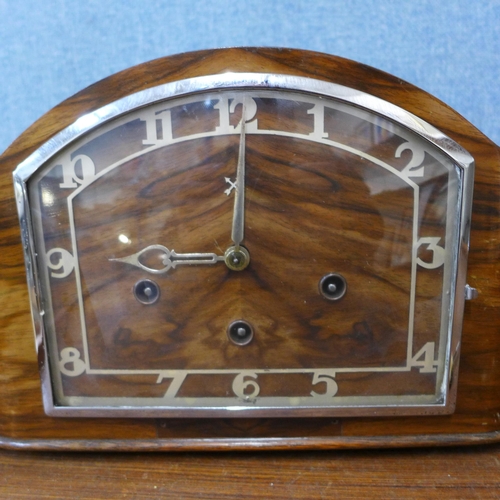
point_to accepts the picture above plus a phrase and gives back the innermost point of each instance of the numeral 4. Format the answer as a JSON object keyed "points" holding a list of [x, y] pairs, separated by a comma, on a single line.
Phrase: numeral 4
{"points": [[424, 359]]}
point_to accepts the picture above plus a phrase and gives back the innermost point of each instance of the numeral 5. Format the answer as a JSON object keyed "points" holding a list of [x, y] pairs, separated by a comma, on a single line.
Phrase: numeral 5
{"points": [[328, 379]]}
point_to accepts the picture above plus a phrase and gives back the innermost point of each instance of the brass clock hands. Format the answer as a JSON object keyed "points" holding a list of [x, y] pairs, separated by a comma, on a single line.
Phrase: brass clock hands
{"points": [[170, 259], [237, 257], [238, 230]]}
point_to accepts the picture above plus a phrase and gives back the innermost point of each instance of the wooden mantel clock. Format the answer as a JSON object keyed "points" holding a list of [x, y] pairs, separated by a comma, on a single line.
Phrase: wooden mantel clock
{"points": [[249, 248]]}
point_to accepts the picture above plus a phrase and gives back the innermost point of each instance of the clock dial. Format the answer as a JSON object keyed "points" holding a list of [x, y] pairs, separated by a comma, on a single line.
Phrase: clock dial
{"points": [[231, 246]]}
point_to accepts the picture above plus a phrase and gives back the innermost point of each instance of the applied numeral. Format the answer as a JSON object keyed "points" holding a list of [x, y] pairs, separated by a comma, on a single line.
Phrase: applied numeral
{"points": [[158, 128], [414, 167], [318, 112], [227, 107], [327, 378], [175, 384], [59, 259], [70, 363], [438, 252], [424, 359], [70, 178], [245, 386]]}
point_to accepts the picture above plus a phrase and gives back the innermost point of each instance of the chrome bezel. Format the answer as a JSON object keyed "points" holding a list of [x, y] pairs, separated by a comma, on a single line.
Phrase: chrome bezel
{"points": [[244, 81]]}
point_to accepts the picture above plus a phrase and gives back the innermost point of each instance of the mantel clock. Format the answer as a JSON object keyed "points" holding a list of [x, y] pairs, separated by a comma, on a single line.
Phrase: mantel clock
{"points": [[249, 248]]}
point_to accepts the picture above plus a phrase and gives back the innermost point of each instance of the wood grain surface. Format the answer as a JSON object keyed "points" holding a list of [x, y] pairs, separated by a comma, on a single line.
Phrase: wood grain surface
{"points": [[450, 473], [23, 422]]}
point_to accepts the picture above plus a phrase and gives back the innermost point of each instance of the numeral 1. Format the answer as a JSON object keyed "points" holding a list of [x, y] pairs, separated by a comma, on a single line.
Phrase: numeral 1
{"points": [[318, 112]]}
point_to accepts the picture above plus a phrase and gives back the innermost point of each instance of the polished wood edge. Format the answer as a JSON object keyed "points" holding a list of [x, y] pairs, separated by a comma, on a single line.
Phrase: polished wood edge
{"points": [[254, 444]]}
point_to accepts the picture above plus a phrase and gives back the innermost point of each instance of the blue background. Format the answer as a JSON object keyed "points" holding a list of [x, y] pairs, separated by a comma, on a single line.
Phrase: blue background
{"points": [[51, 49]]}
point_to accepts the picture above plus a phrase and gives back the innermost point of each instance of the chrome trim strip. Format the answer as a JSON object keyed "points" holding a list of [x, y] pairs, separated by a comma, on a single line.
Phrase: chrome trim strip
{"points": [[240, 81]]}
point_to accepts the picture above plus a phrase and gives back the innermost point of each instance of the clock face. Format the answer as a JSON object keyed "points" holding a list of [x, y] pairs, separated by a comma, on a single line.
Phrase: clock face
{"points": [[240, 247]]}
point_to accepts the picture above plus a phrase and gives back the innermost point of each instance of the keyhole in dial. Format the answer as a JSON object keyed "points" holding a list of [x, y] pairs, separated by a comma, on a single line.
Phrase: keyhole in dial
{"points": [[333, 286], [240, 332], [146, 292]]}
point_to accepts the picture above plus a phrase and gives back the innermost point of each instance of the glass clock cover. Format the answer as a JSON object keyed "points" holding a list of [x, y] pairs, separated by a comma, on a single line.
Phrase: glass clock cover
{"points": [[247, 245]]}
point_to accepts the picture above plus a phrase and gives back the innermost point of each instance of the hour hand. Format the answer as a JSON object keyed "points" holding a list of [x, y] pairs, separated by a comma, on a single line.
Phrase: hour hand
{"points": [[169, 259]]}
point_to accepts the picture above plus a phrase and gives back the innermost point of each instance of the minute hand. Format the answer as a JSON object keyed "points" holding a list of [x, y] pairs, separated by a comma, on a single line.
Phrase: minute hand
{"points": [[238, 230]]}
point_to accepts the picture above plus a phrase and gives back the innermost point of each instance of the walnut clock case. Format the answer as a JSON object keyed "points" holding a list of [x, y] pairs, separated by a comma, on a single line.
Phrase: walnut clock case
{"points": [[249, 248]]}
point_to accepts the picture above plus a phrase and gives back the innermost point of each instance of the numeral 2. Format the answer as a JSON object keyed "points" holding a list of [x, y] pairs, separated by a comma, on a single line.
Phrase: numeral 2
{"points": [[414, 167]]}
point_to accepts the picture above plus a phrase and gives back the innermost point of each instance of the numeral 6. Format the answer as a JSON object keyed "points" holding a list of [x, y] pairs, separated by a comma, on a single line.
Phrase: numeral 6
{"points": [[243, 382]]}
